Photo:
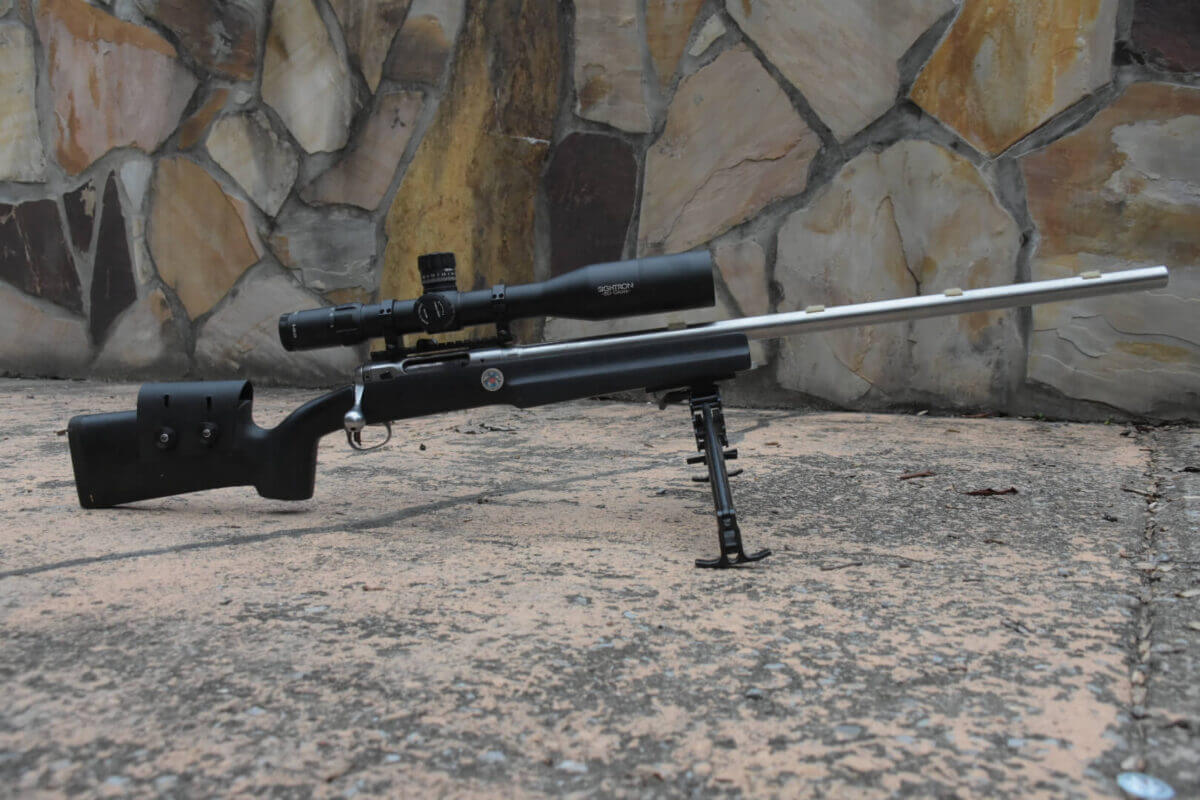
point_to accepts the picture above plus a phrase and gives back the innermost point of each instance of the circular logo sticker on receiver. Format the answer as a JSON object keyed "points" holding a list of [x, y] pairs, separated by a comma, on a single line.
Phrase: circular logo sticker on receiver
{"points": [[492, 379]]}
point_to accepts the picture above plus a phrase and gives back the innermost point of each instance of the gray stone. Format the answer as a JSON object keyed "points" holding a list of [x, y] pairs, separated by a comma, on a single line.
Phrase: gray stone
{"points": [[363, 177], [841, 54], [713, 29], [1137, 352], [40, 338], [262, 163], [423, 46], [369, 27], [241, 338], [305, 80], [144, 343], [330, 249], [914, 219], [608, 64], [21, 155], [135, 178], [732, 145]]}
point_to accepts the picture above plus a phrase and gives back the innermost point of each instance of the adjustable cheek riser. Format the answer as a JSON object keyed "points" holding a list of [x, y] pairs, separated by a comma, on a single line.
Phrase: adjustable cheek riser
{"points": [[188, 437]]}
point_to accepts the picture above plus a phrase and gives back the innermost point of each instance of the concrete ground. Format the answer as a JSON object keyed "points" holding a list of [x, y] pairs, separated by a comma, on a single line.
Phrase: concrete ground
{"points": [[503, 603]]}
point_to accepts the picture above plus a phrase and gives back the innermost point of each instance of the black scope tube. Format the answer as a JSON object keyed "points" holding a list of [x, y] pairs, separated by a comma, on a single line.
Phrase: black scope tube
{"points": [[600, 291]]}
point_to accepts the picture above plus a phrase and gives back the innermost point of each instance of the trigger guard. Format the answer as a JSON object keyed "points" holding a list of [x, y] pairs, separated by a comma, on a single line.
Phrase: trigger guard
{"points": [[355, 439]]}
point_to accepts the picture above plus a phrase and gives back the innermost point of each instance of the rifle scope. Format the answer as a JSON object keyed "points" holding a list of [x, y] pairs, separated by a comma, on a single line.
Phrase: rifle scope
{"points": [[599, 291]]}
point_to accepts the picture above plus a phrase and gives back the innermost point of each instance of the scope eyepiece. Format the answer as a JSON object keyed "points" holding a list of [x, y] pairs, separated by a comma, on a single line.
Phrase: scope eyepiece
{"points": [[600, 291]]}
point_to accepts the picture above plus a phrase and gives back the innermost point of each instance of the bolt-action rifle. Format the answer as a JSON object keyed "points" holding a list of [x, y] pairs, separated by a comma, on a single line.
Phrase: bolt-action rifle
{"points": [[186, 437]]}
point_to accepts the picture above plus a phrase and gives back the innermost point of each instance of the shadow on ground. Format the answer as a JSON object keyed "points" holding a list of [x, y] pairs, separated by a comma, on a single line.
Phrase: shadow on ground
{"points": [[503, 602]]}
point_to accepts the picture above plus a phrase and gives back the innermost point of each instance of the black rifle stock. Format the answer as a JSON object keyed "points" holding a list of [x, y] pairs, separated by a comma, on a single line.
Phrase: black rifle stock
{"points": [[187, 437]]}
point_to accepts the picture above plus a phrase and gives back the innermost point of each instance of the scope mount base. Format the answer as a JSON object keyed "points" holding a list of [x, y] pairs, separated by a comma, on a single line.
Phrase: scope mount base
{"points": [[708, 424]]}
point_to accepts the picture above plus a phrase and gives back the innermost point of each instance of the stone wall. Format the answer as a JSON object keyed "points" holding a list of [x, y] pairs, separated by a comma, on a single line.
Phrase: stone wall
{"points": [[174, 174]]}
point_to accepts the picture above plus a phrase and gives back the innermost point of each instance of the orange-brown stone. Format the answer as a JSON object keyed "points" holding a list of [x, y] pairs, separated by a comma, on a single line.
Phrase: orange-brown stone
{"points": [[192, 131], [1004, 69], [473, 182], [668, 25], [197, 235], [114, 84]]}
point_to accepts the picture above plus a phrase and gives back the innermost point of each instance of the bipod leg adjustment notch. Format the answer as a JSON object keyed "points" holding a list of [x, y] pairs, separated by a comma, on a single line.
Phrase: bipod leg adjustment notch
{"points": [[708, 423]]}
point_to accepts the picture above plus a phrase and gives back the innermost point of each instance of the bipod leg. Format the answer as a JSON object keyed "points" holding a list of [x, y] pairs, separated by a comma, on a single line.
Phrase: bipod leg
{"points": [[708, 422]]}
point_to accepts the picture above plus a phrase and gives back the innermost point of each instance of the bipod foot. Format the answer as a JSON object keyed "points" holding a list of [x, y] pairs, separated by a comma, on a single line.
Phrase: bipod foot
{"points": [[708, 423]]}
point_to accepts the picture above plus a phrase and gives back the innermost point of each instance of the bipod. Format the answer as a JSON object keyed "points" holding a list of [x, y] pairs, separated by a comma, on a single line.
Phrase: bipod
{"points": [[708, 423]]}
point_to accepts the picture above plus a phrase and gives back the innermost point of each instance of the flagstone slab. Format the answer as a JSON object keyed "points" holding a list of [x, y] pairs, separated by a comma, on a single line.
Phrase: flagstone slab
{"points": [[915, 219], [113, 83], [732, 145], [21, 155], [841, 54], [363, 177], [713, 29], [113, 286], [329, 248], [668, 26], [196, 234], [145, 343], [423, 46], [305, 80], [473, 183], [591, 186], [1002, 71], [261, 161], [1167, 33], [369, 27], [241, 338], [221, 36], [40, 338], [608, 64], [35, 256], [1122, 191]]}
